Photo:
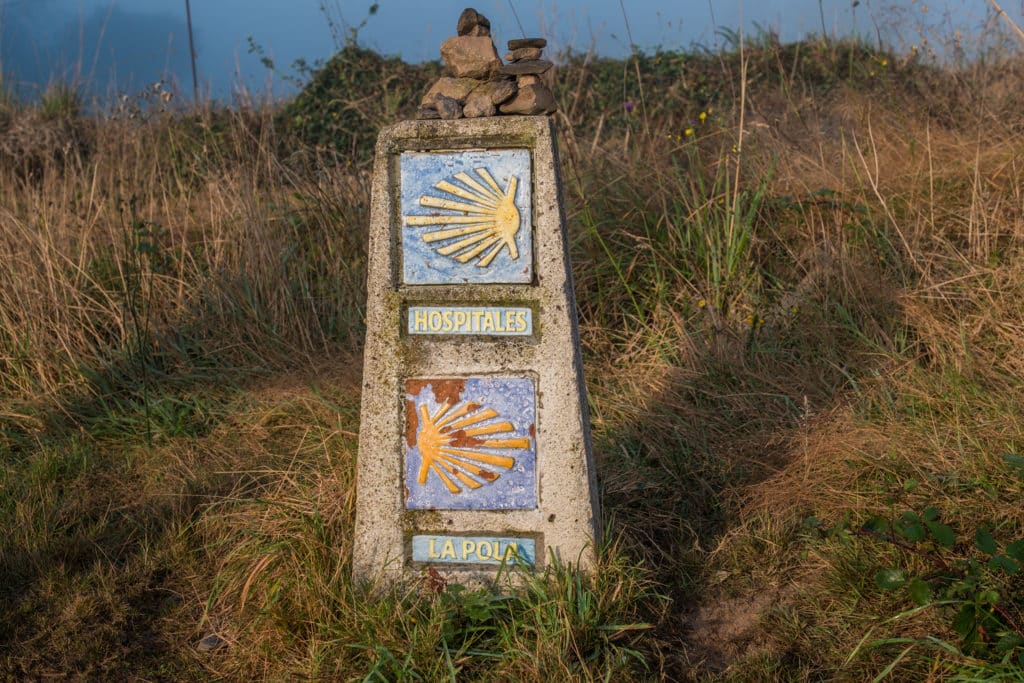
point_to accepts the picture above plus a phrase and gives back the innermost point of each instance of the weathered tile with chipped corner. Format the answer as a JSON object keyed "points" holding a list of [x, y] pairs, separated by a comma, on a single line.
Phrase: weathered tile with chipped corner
{"points": [[469, 443]]}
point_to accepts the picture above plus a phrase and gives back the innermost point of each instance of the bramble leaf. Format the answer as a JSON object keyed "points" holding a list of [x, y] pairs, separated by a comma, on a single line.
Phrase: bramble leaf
{"points": [[942, 534], [920, 591], [1008, 642], [1015, 461], [984, 542], [1007, 564], [912, 532], [931, 514], [964, 621], [878, 525], [890, 579], [1016, 550]]}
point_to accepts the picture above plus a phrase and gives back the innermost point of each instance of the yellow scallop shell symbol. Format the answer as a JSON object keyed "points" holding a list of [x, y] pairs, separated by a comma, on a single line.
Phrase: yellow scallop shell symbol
{"points": [[454, 443], [487, 220]]}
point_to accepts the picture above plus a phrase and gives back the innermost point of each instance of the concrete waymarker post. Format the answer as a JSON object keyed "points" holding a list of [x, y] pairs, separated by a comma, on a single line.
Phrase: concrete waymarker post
{"points": [[474, 445]]}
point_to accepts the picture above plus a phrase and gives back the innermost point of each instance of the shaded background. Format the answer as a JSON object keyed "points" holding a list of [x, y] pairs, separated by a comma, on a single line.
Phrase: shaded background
{"points": [[122, 46]]}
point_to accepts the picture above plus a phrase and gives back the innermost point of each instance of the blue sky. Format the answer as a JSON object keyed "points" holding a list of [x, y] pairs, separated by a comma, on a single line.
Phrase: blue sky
{"points": [[123, 45]]}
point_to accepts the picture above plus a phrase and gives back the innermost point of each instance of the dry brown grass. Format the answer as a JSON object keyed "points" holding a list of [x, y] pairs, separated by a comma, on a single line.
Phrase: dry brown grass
{"points": [[212, 234], [889, 351]]}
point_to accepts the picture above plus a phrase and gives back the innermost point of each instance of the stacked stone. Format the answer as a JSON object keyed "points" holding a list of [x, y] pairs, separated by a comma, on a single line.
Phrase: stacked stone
{"points": [[524, 62], [479, 84]]}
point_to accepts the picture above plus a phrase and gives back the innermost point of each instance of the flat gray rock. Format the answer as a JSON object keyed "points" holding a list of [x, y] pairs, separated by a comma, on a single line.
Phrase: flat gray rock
{"points": [[526, 42], [523, 54], [532, 66]]}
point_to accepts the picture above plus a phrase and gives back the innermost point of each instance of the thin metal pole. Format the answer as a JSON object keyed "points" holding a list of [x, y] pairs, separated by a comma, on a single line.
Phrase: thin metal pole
{"points": [[192, 52]]}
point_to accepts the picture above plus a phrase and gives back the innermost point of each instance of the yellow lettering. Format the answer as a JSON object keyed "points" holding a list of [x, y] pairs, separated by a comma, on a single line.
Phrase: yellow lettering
{"points": [[419, 320], [511, 551], [480, 555], [467, 549], [502, 320], [448, 551], [431, 551]]}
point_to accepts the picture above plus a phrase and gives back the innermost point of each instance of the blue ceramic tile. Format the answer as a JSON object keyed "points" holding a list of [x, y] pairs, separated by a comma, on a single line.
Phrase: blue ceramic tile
{"points": [[466, 217], [473, 550], [485, 320], [469, 443]]}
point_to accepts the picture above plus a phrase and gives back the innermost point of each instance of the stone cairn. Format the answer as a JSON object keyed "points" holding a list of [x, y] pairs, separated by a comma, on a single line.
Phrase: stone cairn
{"points": [[479, 83]]}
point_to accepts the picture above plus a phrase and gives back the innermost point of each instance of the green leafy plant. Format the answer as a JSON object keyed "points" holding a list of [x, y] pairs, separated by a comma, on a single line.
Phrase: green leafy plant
{"points": [[61, 100], [973, 577], [142, 260]]}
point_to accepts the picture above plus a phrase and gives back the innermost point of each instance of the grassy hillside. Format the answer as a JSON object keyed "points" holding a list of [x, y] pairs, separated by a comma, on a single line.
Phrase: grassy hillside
{"points": [[800, 281]]}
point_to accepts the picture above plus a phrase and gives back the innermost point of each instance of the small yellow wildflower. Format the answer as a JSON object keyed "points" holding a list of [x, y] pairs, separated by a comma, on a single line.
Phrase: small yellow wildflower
{"points": [[885, 62], [689, 132], [703, 303], [703, 116]]}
